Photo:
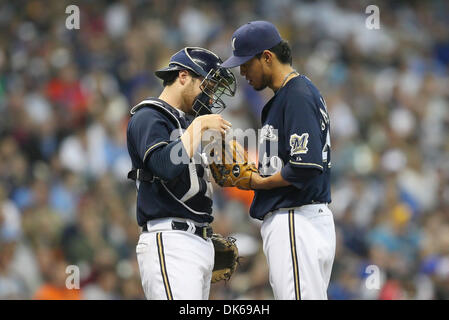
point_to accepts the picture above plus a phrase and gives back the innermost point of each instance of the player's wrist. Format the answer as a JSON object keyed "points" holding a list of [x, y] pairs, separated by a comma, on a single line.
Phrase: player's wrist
{"points": [[199, 125], [257, 182], [267, 183]]}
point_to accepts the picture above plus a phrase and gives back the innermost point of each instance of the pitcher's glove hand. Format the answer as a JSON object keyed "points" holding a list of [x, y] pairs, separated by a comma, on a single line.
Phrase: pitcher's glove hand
{"points": [[231, 168], [226, 257]]}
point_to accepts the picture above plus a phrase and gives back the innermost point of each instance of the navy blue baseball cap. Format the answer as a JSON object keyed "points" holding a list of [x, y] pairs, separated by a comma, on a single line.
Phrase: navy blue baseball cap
{"points": [[250, 39]]}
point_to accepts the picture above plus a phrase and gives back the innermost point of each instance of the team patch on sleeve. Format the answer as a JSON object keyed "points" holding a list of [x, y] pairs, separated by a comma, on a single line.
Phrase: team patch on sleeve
{"points": [[298, 144]]}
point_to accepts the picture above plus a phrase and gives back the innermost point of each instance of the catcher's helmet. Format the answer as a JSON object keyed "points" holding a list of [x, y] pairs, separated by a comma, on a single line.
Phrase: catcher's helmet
{"points": [[217, 80]]}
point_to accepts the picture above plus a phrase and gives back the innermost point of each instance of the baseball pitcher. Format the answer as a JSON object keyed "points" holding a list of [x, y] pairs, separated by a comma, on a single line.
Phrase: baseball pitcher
{"points": [[292, 191]]}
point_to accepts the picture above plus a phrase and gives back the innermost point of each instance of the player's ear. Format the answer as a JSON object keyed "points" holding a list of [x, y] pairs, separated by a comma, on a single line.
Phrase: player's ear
{"points": [[183, 76], [267, 57]]}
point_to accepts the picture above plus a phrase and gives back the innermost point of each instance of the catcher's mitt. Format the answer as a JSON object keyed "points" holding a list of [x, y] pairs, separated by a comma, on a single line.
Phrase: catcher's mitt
{"points": [[232, 169], [226, 257]]}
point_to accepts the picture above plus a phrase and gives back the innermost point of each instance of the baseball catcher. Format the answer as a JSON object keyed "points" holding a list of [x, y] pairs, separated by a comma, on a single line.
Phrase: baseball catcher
{"points": [[175, 251]]}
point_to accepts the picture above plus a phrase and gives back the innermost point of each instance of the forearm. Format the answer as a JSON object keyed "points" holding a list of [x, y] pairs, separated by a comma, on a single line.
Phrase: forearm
{"points": [[191, 138], [215, 126], [266, 183], [289, 175]]}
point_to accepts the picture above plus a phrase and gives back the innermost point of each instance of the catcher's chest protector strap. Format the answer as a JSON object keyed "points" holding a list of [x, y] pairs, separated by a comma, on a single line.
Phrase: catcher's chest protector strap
{"points": [[150, 103], [141, 175]]}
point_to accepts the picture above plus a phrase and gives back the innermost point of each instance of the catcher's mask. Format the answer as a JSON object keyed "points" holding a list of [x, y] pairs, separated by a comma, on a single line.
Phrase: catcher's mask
{"points": [[217, 80]]}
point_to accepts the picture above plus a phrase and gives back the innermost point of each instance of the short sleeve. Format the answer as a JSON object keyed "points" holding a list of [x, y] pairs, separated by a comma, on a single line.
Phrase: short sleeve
{"points": [[149, 130], [302, 131]]}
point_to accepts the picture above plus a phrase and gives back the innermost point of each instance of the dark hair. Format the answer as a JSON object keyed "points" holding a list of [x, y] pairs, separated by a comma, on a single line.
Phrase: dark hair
{"points": [[282, 51], [171, 77]]}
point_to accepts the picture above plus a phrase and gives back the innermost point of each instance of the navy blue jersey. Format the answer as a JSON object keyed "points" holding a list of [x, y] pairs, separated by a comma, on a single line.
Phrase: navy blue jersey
{"points": [[295, 132], [155, 125]]}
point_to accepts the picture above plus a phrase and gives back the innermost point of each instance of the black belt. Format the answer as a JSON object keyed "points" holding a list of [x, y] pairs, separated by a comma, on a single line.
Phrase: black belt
{"points": [[202, 232]]}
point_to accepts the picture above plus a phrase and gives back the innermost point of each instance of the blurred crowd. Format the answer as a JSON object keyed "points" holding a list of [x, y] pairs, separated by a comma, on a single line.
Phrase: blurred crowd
{"points": [[65, 97]]}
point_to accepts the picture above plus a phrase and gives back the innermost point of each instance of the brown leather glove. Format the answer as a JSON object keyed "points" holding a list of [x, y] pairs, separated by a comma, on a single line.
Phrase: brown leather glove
{"points": [[226, 257], [232, 169]]}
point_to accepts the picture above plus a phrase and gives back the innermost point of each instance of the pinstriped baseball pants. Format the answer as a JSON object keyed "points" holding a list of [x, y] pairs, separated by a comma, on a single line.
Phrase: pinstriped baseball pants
{"points": [[299, 244], [174, 264]]}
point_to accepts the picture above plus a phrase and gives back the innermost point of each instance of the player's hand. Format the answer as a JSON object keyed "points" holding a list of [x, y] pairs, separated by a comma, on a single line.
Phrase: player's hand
{"points": [[192, 137], [213, 122]]}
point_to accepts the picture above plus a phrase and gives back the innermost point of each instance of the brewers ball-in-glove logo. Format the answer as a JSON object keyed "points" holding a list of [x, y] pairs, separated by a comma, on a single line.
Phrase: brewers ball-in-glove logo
{"points": [[298, 144]]}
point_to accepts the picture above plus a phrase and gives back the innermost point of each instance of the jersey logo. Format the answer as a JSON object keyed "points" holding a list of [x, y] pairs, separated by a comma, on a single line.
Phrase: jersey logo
{"points": [[298, 144], [267, 133]]}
